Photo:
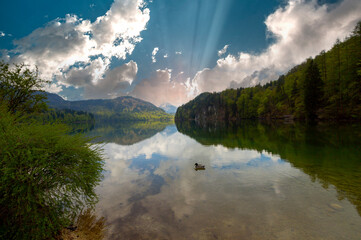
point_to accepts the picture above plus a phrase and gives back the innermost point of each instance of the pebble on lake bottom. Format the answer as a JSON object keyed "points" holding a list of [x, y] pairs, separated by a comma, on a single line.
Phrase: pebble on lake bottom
{"points": [[335, 206]]}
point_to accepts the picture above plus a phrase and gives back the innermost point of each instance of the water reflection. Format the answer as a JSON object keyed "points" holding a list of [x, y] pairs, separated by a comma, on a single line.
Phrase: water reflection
{"points": [[250, 190], [125, 133], [330, 154]]}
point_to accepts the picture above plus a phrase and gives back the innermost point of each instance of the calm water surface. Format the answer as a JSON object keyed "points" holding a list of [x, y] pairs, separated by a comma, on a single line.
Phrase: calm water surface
{"points": [[262, 181]]}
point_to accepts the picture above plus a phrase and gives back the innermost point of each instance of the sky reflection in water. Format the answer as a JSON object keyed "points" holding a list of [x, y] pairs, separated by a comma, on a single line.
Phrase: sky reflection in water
{"points": [[151, 191]]}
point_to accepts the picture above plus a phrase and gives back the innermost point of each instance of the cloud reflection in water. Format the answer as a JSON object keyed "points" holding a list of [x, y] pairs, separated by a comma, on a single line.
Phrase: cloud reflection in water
{"points": [[151, 190]]}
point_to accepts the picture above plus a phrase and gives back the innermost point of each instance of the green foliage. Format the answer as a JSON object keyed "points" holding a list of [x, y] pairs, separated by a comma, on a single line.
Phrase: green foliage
{"points": [[20, 88], [65, 116], [47, 176], [119, 109], [124, 108], [326, 87], [312, 89]]}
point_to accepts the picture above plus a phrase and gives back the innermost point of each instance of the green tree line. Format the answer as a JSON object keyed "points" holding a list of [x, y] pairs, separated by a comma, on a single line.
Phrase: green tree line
{"points": [[65, 116], [325, 87]]}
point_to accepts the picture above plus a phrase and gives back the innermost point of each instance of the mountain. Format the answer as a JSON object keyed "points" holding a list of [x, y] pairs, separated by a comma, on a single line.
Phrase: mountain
{"points": [[54, 99], [169, 108], [122, 108], [325, 87]]}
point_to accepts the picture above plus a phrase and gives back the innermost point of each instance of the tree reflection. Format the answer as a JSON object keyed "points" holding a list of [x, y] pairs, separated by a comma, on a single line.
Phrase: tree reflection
{"points": [[327, 153]]}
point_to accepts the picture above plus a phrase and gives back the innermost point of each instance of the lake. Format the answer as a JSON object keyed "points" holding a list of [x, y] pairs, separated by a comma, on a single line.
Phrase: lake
{"points": [[261, 181]]}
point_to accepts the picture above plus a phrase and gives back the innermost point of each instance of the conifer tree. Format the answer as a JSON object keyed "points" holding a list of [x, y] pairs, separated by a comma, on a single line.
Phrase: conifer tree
{"points": [[312, 90]]}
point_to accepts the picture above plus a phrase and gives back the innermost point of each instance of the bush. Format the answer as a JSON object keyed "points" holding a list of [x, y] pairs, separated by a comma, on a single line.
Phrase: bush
{"points": [[46, 177], [21, 88]]}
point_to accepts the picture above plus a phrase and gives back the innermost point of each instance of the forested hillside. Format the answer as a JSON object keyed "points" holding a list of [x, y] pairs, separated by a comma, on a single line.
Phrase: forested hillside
{"points": [[326, 87], [65, 116], [122, 108]]}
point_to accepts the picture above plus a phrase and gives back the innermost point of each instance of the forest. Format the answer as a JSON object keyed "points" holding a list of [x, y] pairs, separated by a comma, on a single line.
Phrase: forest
{"points": [[325, 87], [124, 109], [65, 116]]}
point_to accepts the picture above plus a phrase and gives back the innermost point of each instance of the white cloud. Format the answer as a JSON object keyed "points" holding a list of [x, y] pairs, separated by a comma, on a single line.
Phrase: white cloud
{"points": [[2, 34], [114, 83], [178, 53], [165, 55], [223, 50], [154, 52], [76, 47], [301, 29], [53, 88], [176, 144], [159, 89]]}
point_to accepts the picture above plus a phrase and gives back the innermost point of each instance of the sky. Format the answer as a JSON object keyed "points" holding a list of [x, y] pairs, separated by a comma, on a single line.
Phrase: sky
{"points": [[167, 51]]}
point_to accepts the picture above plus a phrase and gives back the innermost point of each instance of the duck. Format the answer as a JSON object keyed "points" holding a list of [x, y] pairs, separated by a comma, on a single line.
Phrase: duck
{"points": [[198, 166]]}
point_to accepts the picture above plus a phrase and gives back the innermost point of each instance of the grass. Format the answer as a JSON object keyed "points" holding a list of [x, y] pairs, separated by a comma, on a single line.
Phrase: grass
{"points": [[87, 227]]}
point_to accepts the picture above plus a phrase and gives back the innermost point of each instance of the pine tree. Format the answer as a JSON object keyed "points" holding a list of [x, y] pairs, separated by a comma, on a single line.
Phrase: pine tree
{"points": [[312, 90]]}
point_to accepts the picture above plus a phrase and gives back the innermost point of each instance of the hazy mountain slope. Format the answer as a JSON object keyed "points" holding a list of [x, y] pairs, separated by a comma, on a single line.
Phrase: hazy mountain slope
{"points": [[124, 104], [119, 109], [169, 108]]}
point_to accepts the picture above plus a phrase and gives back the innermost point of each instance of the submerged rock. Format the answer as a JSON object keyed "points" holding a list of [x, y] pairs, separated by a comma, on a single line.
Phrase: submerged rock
{"points": [[335, 206]]}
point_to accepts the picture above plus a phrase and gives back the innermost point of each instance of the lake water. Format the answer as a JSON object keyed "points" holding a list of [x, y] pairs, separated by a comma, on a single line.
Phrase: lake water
{"points": [[261, 181]]}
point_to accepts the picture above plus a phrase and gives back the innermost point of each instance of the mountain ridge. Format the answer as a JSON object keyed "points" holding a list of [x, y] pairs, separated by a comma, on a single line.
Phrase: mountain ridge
{"points": [[125, 108], [168, 108], [119, 104]]}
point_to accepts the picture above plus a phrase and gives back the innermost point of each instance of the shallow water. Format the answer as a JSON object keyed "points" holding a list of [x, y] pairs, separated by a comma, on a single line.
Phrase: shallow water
{"points": [[260, 182]]}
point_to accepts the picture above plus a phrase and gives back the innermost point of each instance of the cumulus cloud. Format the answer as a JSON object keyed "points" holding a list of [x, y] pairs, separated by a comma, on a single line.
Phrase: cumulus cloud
{"points": [[114, 83], [53, 88], [223, 50], [154, 52], [2, 34], [257, 77], [178, 53], [301, 29], [82, 50], [159, 89]]}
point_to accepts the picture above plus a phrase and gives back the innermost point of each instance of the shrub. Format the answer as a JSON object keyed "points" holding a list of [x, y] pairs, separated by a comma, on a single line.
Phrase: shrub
{"points": [[21, 88], [46, 177]]}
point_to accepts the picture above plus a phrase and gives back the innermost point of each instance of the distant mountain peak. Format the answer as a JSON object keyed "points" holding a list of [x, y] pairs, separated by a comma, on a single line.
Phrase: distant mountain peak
{"points": [[168, 108]]}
